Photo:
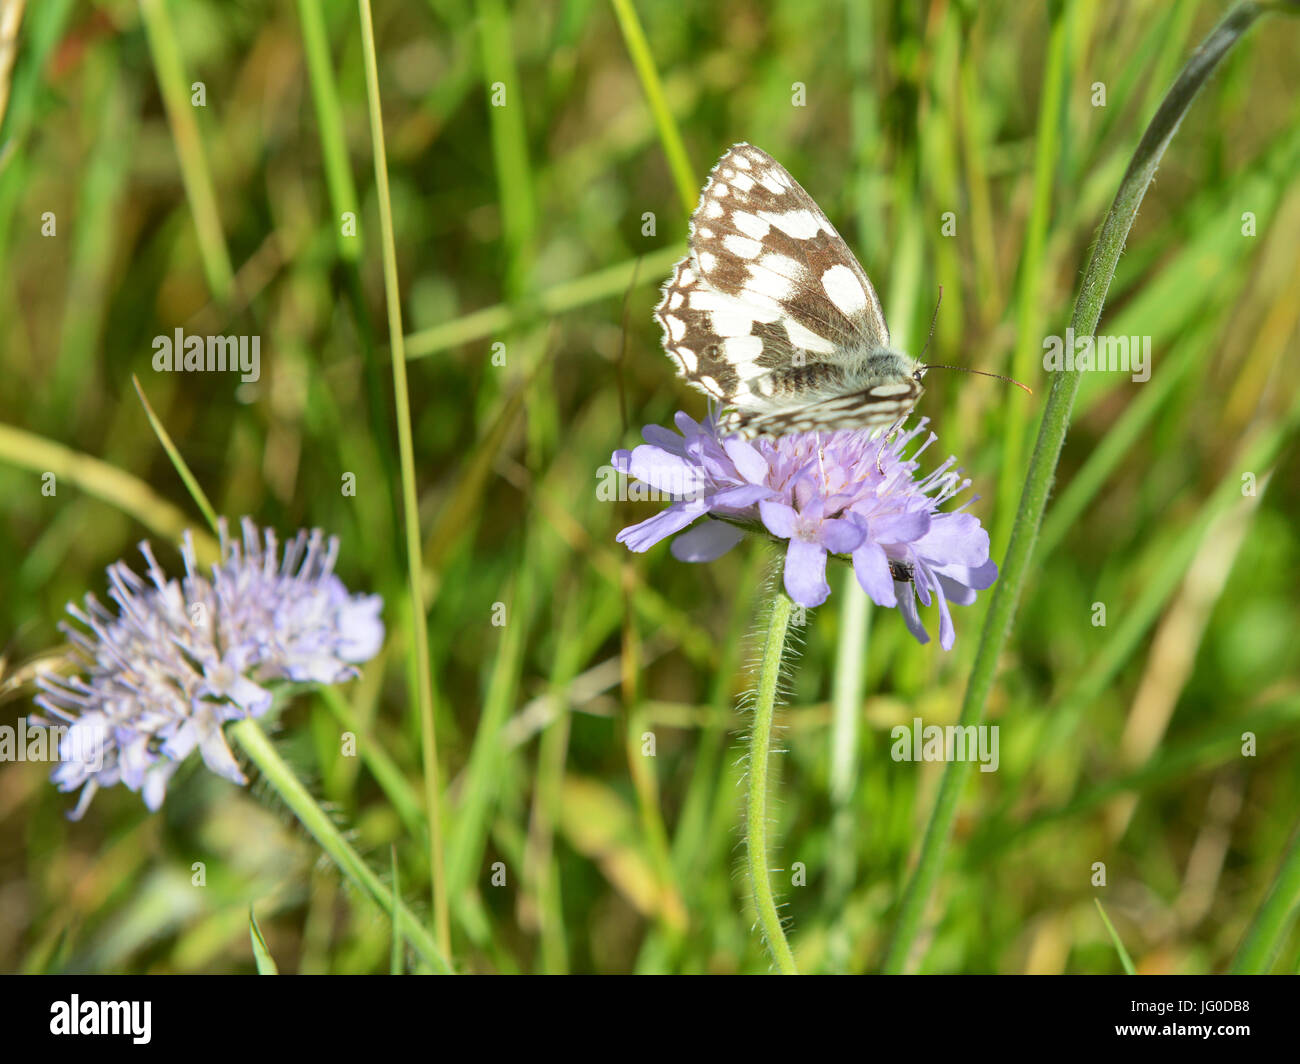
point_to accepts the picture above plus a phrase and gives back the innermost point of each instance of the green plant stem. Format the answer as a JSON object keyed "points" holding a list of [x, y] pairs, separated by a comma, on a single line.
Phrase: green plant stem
{"points": [[395, 965], [1047, 451], [760, 747], [329, 123], [195, 174], [1029, 315], [253, 741], [1268, 931], [509, 145], [410, 506], [173, 452], [669, 135], [850, 672], [403, 796], [1124, 958]]}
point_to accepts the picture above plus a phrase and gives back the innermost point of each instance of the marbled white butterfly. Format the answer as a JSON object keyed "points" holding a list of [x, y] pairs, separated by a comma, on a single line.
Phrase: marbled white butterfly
{"points": [[771, 314]]}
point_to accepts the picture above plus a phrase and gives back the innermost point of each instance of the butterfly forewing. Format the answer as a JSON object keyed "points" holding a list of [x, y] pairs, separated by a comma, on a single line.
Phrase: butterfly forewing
{"points": [[770, 312], [757, 234]]}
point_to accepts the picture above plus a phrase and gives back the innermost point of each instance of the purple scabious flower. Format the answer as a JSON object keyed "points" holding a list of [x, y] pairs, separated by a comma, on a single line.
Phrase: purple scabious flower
{"points": [[158, 677], [839, 493]]}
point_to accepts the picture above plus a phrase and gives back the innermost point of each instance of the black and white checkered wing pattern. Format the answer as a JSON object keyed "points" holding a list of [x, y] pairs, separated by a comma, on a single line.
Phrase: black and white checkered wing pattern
{"points": [[771, 313]]}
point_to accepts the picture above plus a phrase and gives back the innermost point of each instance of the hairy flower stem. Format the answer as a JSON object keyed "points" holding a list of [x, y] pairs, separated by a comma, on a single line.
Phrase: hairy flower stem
{"points": [[253, 741], [760, 745], [1047, 451]]}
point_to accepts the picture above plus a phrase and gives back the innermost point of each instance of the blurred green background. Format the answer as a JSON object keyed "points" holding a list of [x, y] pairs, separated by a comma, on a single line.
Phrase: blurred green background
{"points": [[524, 225]]}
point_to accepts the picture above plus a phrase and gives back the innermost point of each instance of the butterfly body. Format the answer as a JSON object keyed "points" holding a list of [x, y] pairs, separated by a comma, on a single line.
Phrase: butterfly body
{"points": [[825, 396], [771, 314]]}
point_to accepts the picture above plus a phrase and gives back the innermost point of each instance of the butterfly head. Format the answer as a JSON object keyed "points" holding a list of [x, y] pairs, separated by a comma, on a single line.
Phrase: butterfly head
{"points": [[886, 364]]}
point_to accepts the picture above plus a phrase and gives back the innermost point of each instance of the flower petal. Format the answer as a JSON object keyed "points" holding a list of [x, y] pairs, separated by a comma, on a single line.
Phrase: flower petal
{"points": [[641, 537], [813, 512], [921, 581], [664, 439], [155, 784], [749, 462], [217, 756], [957, 593], [955, 539], [840, 536], [907, 610], [872, 569], [900, 527], [686, 424], [668, 473], [779, 519], [706, 542], [361, 627], [947, 633], [255, 700], [740, 498], [805, 573]]}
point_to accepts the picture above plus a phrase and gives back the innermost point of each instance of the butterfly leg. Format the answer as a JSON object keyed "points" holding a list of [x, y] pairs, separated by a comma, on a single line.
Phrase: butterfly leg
{"points": [[889, 435]]}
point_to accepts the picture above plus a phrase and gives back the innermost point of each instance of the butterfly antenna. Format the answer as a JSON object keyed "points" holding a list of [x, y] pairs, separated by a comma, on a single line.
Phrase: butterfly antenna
{"points": [[982, 373], [934, 319], [964, 369]]}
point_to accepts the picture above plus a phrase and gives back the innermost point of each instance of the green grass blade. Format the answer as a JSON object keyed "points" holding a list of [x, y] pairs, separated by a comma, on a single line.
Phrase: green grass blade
{"points": [[191, 482], [1124, 958], [329, 124], [395, 957], [688, 185], [405, 799], [261, 954], [195, 175], [410, 499], [1051, 437], [1268, 931], [509, 136], [1029, 312], [483, 772]]}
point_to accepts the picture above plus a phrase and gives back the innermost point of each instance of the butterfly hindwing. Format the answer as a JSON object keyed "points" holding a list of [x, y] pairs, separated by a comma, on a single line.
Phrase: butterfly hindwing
{"points": [[876, 407], [722, 344]]}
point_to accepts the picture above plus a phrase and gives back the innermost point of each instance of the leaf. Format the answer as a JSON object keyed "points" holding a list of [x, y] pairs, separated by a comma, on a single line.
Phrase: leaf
{"points": [[262, 955], [395, 959], [1124, 958], [191, 483]]}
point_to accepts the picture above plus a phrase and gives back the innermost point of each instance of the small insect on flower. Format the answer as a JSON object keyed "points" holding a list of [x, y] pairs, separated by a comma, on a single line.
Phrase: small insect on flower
{"points": [[157, 678], [840, 493]]}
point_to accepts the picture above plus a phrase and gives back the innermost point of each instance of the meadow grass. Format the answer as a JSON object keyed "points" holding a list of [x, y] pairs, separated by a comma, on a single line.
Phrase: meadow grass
{"points": [[454, 304]]}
